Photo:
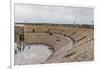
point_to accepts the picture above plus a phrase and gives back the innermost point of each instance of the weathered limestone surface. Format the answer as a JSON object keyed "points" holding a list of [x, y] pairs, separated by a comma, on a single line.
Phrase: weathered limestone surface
{"points": [[69, 43]]}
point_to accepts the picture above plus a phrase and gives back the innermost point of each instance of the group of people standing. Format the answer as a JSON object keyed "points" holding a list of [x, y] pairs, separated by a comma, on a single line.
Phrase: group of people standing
{"points": [[21, 46]]}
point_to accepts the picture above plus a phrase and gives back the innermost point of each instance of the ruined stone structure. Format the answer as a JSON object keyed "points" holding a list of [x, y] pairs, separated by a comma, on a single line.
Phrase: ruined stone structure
{"points": [[69, 43]]}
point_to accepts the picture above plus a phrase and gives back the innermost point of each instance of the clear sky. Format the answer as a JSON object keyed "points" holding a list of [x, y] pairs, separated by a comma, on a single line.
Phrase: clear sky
{"points": [[25, 13]]}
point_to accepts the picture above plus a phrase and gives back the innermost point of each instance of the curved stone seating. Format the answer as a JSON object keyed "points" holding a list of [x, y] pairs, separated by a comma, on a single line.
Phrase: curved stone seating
{"points": [[45, 38], [68, 42], [77, 51]]}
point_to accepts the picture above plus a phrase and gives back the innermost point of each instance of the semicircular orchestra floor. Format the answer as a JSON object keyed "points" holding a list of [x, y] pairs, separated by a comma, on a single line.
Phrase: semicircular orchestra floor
{"points": [[33, 54]]}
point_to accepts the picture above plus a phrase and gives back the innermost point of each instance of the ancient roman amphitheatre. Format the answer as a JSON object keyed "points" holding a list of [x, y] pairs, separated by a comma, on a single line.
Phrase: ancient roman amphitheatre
{"points": [[53, 43]]}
